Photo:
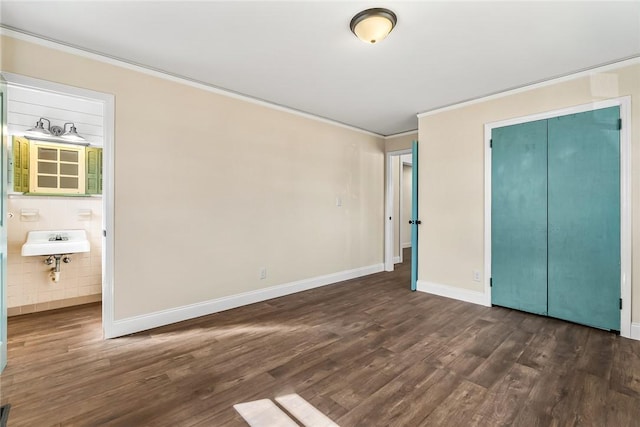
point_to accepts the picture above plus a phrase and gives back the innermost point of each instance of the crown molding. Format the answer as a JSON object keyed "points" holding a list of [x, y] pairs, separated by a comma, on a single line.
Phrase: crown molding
{"points": [[584, 73], [162, 74], [397, 135]]}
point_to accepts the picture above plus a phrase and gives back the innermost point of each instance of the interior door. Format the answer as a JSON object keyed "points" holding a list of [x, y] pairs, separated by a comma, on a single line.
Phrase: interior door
{"points": [[584, 218], [519, 217], [3, 232], [414, 215]]}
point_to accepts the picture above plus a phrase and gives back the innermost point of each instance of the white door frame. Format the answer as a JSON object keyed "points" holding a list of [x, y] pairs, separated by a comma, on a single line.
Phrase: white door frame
{"points": [[403, 194], [401, 197], [625, 195], [108, 102], [388, 211]]}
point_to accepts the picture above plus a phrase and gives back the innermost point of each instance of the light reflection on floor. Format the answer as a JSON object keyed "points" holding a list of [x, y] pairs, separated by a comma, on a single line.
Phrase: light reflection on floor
{"points": [[265, 413]]}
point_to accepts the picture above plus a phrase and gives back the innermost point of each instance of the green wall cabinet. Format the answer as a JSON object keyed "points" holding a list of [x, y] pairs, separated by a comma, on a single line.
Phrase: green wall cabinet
{"points": [[22, 165], [555, 217]]}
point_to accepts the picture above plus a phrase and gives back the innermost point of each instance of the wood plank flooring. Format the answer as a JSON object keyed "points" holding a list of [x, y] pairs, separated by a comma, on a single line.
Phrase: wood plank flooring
{"points": [[366, 352]]}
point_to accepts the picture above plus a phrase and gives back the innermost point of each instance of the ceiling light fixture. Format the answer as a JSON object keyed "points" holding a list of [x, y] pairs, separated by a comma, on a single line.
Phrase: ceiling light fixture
{"points": [[373, 25]]}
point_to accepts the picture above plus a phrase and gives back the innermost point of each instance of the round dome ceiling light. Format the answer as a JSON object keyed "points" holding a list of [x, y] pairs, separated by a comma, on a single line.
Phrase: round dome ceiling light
{"points": [[373, 25]]}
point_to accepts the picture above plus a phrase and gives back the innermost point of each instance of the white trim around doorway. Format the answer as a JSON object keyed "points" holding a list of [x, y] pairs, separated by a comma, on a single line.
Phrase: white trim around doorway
{"points": [[108, 102], [625, 196], [388, 210]]}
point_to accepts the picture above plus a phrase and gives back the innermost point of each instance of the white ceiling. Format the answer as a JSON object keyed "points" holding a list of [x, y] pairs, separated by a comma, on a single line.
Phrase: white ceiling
{"points": [[302, 55]]}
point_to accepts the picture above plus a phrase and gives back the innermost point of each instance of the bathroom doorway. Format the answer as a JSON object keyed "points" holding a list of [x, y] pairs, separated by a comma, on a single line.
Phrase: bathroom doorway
{"points": [[58, 184]]}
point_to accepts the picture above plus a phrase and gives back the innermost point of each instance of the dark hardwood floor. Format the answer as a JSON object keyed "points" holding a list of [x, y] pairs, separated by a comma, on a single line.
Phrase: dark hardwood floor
{"points": [[367, 352]]}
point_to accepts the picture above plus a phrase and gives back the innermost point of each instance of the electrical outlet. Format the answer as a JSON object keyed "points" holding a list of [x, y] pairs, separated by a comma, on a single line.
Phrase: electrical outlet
{"points": [[263, 273], [476, 276]]}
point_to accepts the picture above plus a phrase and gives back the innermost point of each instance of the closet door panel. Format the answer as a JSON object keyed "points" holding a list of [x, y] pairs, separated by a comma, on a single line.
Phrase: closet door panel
{"points": [[519, 217], [584, 218]]}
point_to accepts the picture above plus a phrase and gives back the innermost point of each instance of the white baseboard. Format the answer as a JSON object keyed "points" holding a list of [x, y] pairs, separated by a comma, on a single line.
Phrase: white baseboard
{"points": [[467, 295], [406, 245], [635, 331], [165, 317], [396, 259]]}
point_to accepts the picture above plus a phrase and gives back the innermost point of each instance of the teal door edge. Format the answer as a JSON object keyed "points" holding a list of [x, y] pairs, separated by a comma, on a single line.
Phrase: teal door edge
{"points": [[414, 215]]}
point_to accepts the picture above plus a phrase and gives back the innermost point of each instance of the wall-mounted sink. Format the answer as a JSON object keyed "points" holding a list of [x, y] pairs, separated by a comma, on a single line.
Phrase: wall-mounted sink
{"points": [[55, 242]]}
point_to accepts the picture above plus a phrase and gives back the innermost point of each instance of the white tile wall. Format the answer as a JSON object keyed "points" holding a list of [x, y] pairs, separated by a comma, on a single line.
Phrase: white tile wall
{"points": [[28, 280]]}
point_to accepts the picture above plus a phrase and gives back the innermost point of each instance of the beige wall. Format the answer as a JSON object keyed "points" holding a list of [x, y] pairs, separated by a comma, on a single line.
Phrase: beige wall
{"points": [[191, 222], [397, 143], [28, 281], [452, 173]]}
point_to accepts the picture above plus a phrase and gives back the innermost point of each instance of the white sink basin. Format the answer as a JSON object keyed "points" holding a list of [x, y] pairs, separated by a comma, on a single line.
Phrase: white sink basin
{"points": [[55, 242]]}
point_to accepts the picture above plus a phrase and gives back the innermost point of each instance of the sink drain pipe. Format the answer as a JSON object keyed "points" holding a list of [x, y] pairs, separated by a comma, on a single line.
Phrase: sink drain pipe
{"points": [[55, 271]]}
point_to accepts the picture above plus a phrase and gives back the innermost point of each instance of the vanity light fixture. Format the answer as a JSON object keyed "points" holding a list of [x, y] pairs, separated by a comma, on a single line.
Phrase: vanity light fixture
{"points": [[373, 25], [72, 133], [55, 133], [39, 129]]}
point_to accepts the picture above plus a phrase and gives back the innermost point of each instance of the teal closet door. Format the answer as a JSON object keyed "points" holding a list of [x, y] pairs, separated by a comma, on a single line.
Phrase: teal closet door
{"points": [[519, 217], [584, 218]]}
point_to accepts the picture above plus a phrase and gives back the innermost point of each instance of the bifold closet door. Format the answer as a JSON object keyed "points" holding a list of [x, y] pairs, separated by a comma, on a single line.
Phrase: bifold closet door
{"points": [[584, 218], [519, 217]]}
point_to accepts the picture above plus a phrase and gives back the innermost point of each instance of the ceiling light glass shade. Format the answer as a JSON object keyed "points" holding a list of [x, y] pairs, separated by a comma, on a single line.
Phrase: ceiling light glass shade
{"points": [[373, 25], [72, 133], [39, 129]]}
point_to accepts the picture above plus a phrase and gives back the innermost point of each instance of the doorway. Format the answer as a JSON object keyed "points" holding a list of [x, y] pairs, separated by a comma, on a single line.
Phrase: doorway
{"points": [[553, 255], [31, 284], [400, 209]]}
